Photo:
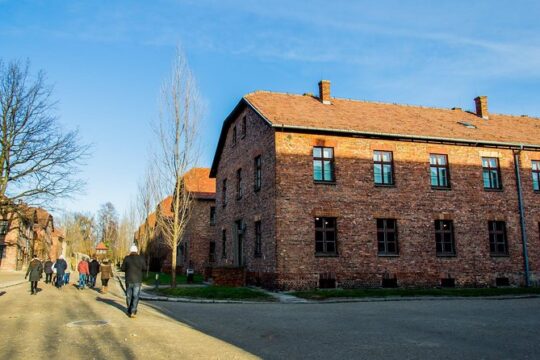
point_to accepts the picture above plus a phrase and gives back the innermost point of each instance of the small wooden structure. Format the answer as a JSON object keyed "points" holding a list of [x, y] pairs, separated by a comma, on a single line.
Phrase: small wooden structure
{"points": [[101, 250]]}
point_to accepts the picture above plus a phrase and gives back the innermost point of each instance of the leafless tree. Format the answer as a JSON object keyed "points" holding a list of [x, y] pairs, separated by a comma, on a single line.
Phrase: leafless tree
{"points": [[126, 229], [107, 228], [177, 152], [146, 202], [79, 230], [38, 161]]}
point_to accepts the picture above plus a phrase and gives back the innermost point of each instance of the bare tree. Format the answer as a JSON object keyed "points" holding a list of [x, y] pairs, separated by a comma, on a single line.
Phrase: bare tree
{"points": [[107, 227], [146, 202], [177, 152], [126, 229], [38, 161], [79, 232]]}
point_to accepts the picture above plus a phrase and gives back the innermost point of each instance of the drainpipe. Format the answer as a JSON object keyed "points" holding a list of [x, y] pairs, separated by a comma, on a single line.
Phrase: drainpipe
{"points": [[522, 218]]}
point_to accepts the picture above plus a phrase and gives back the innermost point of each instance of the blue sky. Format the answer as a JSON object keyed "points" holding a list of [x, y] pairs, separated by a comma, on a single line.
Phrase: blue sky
{"points": [[107, 60]]}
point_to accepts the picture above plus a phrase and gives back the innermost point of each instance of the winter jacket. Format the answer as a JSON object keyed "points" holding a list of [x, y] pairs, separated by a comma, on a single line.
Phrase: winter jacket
{"points": [[47, 267], [106, 271], [133, 266], [35, 268], [60, 266], [94, 267], [82, 268]]}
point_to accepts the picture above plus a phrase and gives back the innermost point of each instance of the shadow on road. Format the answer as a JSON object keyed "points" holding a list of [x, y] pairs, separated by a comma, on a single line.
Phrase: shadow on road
{"points": [[113, 303]]}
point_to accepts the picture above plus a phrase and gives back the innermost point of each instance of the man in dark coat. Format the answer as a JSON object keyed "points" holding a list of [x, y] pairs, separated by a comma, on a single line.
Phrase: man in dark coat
{"points": [[94, 270], [133, 266], [35, 268], [47, 268], [60, 266]]}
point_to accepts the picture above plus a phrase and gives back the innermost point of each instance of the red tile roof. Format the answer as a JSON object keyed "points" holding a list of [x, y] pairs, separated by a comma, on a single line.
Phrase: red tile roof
{"points": [[303, 111], [101, 246], [199, 183]]}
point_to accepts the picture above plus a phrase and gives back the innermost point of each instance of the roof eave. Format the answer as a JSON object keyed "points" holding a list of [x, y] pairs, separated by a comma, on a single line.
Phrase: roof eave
{"points": [[342, 132]]}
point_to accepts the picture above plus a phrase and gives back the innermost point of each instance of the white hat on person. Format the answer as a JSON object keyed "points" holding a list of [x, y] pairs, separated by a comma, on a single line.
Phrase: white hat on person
{"points": [[133, 249]]}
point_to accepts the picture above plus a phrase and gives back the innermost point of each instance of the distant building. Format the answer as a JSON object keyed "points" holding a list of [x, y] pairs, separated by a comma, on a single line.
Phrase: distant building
{"points": [[317, 191]]}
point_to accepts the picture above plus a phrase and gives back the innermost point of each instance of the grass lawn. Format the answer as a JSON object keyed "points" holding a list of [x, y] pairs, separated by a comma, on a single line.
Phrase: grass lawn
{"points": [[362, 293], [218, 293], [165, 279]]}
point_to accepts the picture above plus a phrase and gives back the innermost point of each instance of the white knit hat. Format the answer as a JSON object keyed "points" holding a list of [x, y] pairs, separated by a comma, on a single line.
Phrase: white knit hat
{"points": [[133, 248]]}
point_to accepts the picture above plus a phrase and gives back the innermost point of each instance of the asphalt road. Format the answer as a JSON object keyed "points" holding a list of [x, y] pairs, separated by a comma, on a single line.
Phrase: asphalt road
{"points": [[59, 324], [429, 329]]}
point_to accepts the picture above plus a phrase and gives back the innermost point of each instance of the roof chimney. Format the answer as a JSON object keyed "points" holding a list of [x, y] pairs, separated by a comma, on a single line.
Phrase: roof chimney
{"points": [[481, 106], [324, 91]]}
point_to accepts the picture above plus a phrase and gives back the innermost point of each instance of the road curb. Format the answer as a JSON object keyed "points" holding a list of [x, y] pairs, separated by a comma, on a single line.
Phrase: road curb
{"points": [[11, 284]]}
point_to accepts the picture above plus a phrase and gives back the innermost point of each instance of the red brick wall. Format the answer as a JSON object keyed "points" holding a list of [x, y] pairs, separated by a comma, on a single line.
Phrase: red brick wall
{"points": [[289, 200], [199, 234], [253, 206], [356, 203], [228, 276]]}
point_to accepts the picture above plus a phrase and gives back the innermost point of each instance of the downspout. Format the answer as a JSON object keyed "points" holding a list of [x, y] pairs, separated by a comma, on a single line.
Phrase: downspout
{"points": [[522, 218]]}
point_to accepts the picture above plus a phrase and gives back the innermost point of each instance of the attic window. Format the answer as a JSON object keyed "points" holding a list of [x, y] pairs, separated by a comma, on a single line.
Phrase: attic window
{"points": [[467, 124]]}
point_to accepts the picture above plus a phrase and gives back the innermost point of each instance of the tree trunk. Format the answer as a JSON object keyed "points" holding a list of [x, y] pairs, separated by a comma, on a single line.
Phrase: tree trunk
{"points": [[173, 266]]}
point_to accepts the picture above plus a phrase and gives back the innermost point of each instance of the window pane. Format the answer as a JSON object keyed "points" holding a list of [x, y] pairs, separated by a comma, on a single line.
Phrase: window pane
{"points": [[485, 162], [494, 179], [434, 178], [391, 247], [442, 177], [536, 165], [387, 174], [377, 170], [432, 159], [439, 247], [317, 170], [328, 171], [493, 162], [330, 236], [387, 156], [317, 152], [441, 159], [318, 222], [319, 247], [536, 181], [485, 176], [330, 223], [376, 156], [328, 153], [330, 247]]}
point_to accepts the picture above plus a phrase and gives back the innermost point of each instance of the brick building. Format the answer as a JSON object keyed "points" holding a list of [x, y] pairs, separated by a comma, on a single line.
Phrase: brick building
{"points": [[194, 248], [316, 191]]}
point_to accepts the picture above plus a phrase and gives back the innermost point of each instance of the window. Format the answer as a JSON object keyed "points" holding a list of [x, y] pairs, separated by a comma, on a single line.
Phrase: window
{"points": [[536, 174], [212, 215], [234, 135], [497, 238], [3, 227], [224, 193], [223, 244], [325, 236], [491, 173], [239, 191], [258, 173], [383, 168], [244, 127], [439, 172], [444, 238], [387, 237], [258, 244], [212, 252], [323, 164]]}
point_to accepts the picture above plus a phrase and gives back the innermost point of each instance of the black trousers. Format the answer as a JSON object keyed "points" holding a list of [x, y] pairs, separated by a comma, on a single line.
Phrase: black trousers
{"points": [[33, 286], [48, 278]]}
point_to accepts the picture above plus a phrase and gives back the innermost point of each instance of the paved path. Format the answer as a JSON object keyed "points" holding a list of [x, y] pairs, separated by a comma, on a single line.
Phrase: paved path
{"points": [[38, 327], [423, 329], [10, 278]]}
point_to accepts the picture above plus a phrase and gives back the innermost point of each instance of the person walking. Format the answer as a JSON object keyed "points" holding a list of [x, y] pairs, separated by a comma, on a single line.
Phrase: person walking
{"points": [[60, 266], [47, 268], [133, 267], [106, 274], [67, 273], [83, 270], [35, 269], [94, 270]]}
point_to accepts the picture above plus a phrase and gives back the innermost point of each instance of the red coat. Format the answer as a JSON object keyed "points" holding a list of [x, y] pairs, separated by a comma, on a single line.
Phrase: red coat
{"points": [[82, 268]]}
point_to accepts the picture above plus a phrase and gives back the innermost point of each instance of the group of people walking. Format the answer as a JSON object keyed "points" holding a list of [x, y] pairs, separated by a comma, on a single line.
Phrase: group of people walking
{"points": [[57, 273], [88, 271]]}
